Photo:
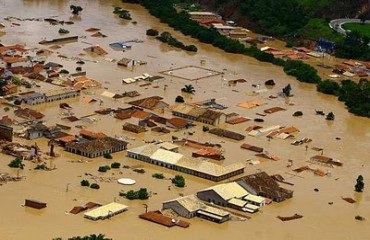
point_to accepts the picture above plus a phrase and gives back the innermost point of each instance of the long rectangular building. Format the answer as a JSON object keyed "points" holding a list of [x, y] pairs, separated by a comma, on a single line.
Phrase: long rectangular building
{"points": [[106, 211], [156, 155]]}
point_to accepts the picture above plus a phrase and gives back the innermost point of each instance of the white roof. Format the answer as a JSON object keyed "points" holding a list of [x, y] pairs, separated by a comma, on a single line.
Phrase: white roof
{"points": [[128, 80], [202, 13], [254, 198], [105, 211], [190, 203], [229, 190], [269, 129], [251, 206], [166, 156], [348, 74], [238, 202]]}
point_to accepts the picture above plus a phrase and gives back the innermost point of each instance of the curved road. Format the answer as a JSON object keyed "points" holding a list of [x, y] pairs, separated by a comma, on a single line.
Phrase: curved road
{"points": [[336, 24]]}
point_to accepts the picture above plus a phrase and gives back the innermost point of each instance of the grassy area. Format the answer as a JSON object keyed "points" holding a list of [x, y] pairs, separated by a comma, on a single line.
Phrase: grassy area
{"points": [[363, 29], [318, 28]]}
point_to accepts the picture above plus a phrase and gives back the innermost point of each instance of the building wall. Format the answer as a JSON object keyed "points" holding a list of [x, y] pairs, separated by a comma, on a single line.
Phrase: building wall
{"points": [[62, 96], [35, 100], [34, 134], [212, 196], [6, 133], [179, 209]]}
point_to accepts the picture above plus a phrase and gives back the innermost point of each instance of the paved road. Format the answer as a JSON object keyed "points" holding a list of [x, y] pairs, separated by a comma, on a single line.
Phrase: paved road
{"points": [[337, 24]]}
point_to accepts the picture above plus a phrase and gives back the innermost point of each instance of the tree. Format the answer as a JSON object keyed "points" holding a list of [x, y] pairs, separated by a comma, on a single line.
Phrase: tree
{"points": [[286, 90], [328, 87], [63, 31], [152, 32], [179, 99], [298, 114], [158, 175], [191, 48], [179, 181], [16, 163], [94, 186], [330, 116], [107, 156], [143, 194], [188, 89], [131, 195], [90, 237], [103, 168], [85, 183], [75, 9], [359, 187], [115, 165]]}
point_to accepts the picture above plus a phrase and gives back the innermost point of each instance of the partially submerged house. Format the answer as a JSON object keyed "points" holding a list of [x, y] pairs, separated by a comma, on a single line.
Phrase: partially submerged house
{"points": [[151, 103], [28, 114], [261, 184], [198, 114], [6, 133], [106, 211], [190, 206], [96, 50], [227, 134], [97, 147], [232, 195], [154, 154], [326, 160], [133, 128]]}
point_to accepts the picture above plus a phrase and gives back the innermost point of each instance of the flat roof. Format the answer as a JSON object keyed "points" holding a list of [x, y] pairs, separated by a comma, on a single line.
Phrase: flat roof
{"points": [[229, 190], [238, 202], [202, 13], [254, 198], [106, 210], [59, 91]]}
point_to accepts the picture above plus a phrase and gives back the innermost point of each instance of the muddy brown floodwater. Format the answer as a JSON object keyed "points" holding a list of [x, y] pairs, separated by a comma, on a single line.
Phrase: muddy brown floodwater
{"points": [[320, 221]]}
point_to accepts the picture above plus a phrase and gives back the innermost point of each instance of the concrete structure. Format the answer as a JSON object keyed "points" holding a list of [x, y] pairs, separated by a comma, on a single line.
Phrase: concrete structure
{"points": [[35, 131], [51, 96], [190, 206], [199, 114], [156, 155], [34, 204], [106, 211], [97, 147], [232, 195]]}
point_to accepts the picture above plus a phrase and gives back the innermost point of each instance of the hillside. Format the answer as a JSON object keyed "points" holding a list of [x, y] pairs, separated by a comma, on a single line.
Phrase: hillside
{"points": [[284, 17]]}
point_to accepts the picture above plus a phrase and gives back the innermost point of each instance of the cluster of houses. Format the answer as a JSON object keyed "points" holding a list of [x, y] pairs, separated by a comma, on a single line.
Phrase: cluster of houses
{"points": [[213, 20], [36, 98]]}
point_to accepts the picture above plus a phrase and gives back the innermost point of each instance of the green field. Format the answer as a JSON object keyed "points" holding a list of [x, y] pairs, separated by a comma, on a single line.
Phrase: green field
{"points": [[363, 29]]}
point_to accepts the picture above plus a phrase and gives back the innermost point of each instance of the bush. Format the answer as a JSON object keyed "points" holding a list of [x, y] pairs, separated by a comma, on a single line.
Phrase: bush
{"points": [[330, 116], [41, 167], [78, 69], [115, 165], [85, 183], [179, 99], [6, 109], [297, 114], [107, 156], [16, 163], [139, 170], [94, 186], [191, 48], [152, 32], [328, 87], [17, 102], [28, 85], [205, 128], [158, 175], [179, 181], [64, 71], [63, 31], [103, 168], [141, 194]]}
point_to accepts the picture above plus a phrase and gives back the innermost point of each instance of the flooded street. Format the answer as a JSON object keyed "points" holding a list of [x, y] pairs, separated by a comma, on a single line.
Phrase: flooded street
{"points": [[61, 188]]}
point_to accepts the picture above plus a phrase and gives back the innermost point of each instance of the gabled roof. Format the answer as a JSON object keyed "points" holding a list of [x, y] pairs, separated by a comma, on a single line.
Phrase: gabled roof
{"points": [[228, 191]]}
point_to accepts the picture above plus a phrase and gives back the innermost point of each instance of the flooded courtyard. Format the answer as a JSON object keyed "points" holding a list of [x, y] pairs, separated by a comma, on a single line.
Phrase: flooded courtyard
{"points": [[347, 138]]}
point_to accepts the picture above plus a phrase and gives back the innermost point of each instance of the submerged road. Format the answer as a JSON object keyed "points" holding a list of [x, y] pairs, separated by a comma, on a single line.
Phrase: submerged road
{"points": [[336, 24]]}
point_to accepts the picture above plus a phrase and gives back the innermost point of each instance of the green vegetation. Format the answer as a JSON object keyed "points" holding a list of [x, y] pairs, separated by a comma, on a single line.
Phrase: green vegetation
{"points": [[139, 170], [286, 90], [363, 29], [6, 109], [16, 80], [328, 87], [64, 71], [330, 116], [63, 31], [75, 9], [103, 168], [122, 13], [85, 183], [317, 28], [158, 175], [27, 85], [205, 128], [90, 237], [115, 165], [179, 99], [141, 194], [166, 37], [152, 32], [188, 89], [94, 186], [41, 167], [78, 69], [354, 46], [17, 102], [359, 187], [107, 156], [355, 96], [16, 163], [179, 181]]}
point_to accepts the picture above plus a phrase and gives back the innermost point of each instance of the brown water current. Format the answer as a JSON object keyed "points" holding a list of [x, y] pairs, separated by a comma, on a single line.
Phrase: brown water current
{"points": [[320, 221]]}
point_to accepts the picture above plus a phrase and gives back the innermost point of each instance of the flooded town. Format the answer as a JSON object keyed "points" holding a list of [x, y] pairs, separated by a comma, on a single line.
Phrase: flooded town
{"points": [[114, 123]]}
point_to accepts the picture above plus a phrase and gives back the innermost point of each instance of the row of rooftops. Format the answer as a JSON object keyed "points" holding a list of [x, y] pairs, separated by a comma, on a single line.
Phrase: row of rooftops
{"points": [[197, 112], [156, 152]]}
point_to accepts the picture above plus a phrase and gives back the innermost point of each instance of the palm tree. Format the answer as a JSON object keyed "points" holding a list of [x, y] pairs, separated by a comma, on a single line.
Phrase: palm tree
{"points": [[91, 237], [188, 89], [75, 9]]}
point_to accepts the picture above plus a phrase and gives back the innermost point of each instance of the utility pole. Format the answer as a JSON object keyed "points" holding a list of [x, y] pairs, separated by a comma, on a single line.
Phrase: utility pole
{"points": [[145, 207], [67, 187]]}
